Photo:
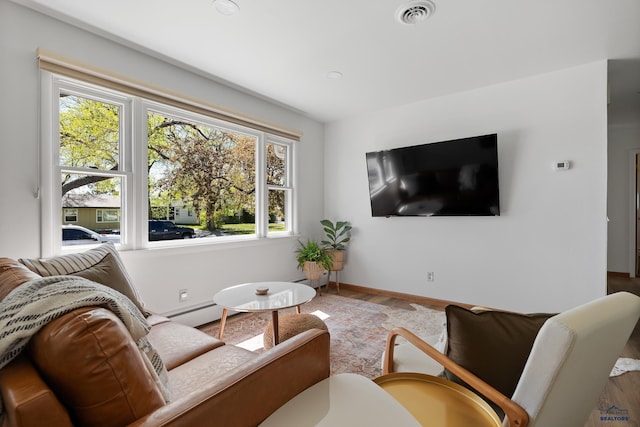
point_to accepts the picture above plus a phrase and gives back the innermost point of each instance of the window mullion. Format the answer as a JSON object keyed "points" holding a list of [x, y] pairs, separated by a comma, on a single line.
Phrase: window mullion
{"points": [[137, 206], [49, 191], [262, 193], [126, 167]]}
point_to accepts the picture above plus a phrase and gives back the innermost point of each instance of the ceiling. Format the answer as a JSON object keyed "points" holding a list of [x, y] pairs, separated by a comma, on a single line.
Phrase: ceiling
{"points": [[282, 50]]}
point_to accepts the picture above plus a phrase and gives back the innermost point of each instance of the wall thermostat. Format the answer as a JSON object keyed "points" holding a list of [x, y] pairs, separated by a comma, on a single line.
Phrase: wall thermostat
{"points": [[562, 165]]}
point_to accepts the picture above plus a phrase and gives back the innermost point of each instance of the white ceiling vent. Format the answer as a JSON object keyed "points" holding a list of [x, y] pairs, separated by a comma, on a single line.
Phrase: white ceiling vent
{"points": [[415, 11]]}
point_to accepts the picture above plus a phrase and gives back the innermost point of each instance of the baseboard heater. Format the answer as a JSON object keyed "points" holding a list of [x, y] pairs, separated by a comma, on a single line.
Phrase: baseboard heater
{"points": [[188, 310]]}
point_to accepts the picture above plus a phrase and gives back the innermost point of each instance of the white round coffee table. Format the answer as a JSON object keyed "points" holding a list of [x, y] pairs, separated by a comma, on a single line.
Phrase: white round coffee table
{"points": [[244, 298]]}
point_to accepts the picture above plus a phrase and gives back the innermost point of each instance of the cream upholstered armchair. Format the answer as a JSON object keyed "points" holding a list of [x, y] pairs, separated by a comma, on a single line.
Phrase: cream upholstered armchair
{"points": [[564, 374]]}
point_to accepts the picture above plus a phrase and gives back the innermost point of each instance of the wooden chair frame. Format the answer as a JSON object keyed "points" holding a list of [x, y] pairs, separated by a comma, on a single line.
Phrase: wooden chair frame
{"points": [[516, 415]]}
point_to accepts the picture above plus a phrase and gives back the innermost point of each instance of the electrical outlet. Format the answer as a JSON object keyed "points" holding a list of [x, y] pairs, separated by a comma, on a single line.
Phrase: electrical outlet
{"points": [[183, 295], [430, 276]]}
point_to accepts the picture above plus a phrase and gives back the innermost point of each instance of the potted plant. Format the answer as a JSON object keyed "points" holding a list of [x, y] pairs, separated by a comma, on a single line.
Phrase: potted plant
{"points": [[313, 259], [337, 235]]}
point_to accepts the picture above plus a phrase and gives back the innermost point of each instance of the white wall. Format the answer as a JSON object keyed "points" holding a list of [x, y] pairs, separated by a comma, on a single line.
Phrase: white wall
{"points": [[158, 273], [624, 141], [547, 250]]}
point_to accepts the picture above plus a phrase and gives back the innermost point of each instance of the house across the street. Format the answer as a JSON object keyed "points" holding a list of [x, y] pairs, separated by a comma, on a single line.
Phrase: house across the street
{"points": [[101, 212], [97, 212]]}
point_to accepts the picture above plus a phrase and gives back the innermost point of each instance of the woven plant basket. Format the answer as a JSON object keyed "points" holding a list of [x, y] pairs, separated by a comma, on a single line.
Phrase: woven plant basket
{"points": [[312, 270], [337, 256]]}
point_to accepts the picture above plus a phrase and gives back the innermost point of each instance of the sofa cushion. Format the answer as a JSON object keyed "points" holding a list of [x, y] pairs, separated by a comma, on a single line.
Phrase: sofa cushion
{"points": [[177, 343], [12, 275], [94, 367], [101, 264], [207, 369], [494, 345]]}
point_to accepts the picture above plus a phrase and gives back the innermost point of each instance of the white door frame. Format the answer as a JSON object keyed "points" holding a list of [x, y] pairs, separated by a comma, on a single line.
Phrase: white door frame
{"points": [[633, 207]]}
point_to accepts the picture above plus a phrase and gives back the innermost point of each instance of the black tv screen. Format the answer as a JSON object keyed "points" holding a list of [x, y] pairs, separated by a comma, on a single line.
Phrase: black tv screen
{"points": [[457, 178]]}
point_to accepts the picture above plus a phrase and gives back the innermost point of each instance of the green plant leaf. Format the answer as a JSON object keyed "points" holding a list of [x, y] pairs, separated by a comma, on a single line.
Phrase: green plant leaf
{"points": [[337, 234], [326, 223], [312, 251], [330, 232]]}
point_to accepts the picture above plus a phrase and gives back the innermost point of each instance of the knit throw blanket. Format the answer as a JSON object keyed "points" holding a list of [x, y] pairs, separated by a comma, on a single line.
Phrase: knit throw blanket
{"points": [[33, 304]]}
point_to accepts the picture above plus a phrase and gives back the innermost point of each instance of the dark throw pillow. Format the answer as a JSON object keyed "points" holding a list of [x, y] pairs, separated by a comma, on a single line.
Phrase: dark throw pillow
{"points": [[493, 345]]}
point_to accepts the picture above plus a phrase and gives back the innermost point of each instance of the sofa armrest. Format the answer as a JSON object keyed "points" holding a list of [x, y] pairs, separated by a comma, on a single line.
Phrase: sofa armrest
{"points": [[247, 395], [27, 400]]}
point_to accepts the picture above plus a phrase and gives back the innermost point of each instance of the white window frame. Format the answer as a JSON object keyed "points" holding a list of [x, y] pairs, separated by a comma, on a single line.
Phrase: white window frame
{"points": [[133, 167], [288, 187]]}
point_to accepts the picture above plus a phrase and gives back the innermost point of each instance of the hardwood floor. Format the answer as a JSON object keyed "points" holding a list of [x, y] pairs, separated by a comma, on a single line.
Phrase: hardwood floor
{"points": [[622, 391]]}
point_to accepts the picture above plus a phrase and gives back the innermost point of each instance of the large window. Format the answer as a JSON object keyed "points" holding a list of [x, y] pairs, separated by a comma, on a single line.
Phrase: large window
{"points": [[204, 165], [129, 160], [278, 185]]}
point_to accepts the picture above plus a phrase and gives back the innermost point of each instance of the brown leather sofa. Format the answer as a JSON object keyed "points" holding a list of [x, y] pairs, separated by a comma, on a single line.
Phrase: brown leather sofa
{"points": [[84, 369]]}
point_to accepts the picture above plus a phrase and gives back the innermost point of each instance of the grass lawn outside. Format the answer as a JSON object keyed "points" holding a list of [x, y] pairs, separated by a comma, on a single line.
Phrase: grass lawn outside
{"points": [[250, 228]]}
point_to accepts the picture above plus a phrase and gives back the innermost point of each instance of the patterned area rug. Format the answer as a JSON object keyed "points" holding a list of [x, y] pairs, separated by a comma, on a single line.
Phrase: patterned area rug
{"points": [[358, 329]]}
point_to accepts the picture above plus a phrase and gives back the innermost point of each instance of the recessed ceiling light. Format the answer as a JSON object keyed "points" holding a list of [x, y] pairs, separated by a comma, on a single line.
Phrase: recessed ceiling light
{"points": [[226, 7], [415, 11], [334, 75]]}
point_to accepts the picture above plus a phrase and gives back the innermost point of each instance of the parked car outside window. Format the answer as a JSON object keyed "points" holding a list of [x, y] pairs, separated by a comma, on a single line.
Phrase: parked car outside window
{"points": [[167, 230], [78, 235]]}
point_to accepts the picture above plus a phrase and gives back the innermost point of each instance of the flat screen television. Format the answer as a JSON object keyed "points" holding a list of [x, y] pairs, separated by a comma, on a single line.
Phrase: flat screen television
{"points": [[449, 178]]}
